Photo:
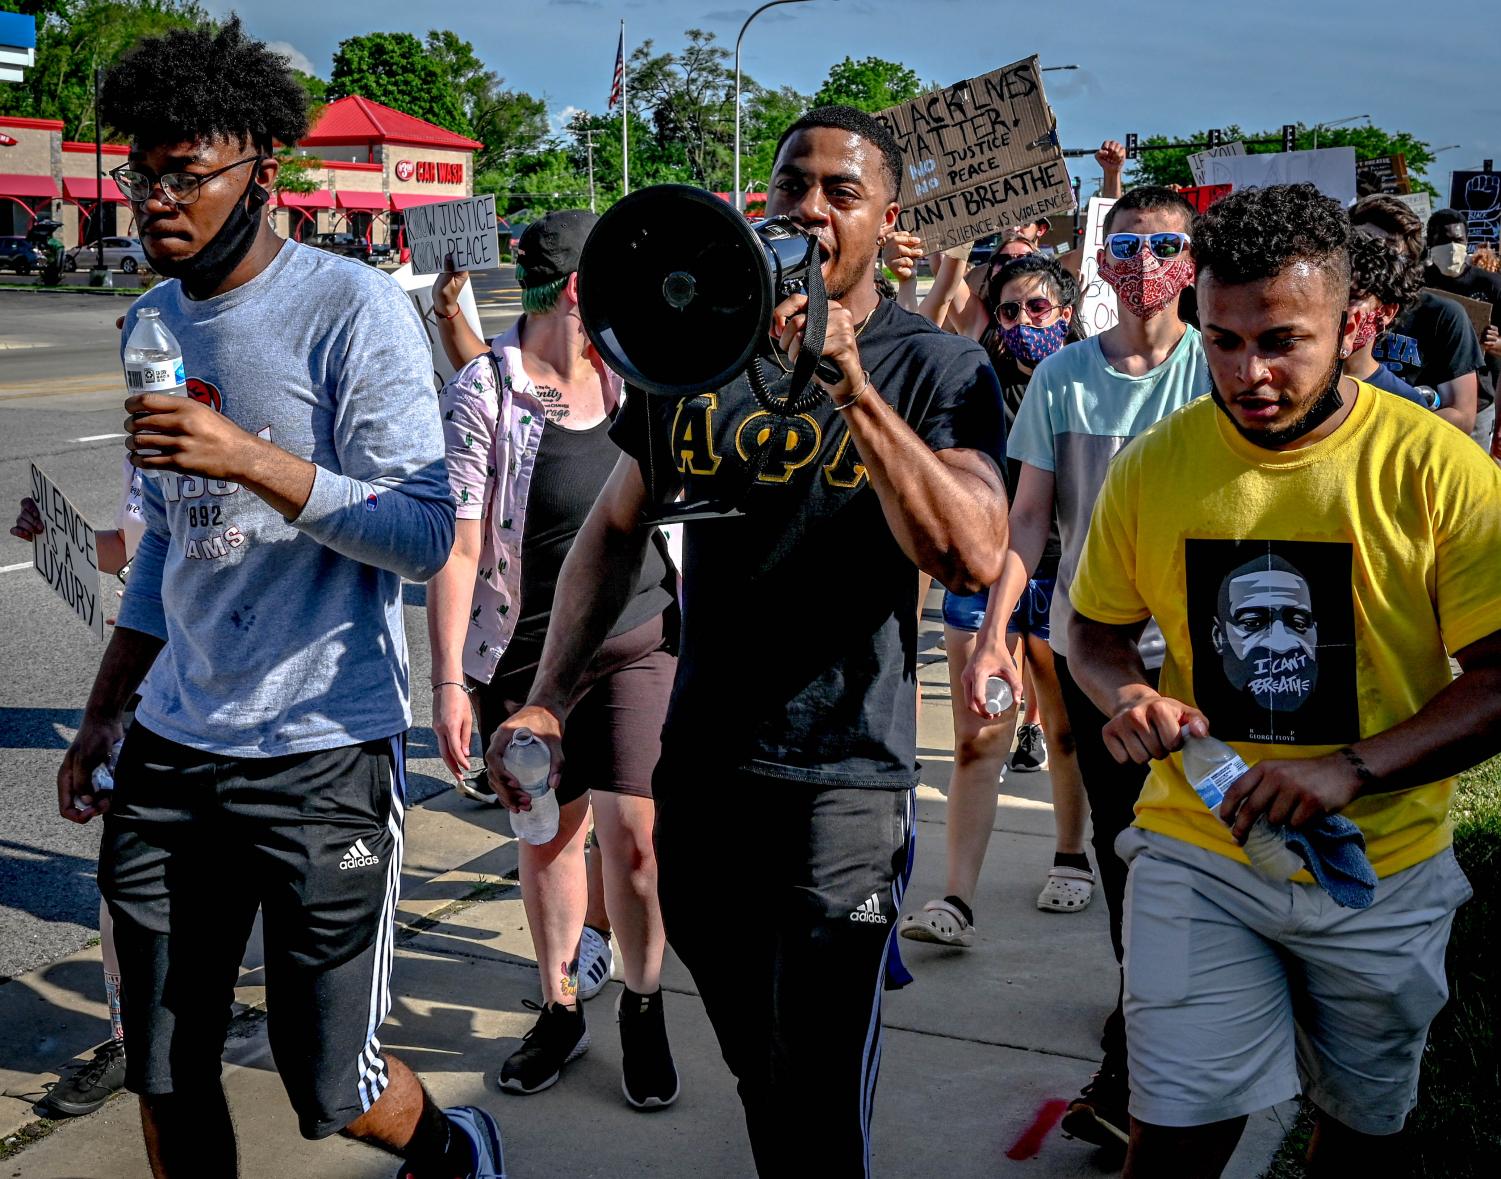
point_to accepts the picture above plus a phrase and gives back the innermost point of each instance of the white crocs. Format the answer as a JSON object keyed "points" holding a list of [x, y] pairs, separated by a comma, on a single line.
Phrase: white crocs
{"points": [[940, 923], [1067, 890]]}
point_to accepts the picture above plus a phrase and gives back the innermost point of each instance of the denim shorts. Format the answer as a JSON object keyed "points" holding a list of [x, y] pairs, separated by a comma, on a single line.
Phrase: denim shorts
{"points": [[967, 611]]}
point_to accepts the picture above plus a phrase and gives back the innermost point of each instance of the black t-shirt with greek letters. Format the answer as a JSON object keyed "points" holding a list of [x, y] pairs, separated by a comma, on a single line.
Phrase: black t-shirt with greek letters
{"points": [[798, 657]]}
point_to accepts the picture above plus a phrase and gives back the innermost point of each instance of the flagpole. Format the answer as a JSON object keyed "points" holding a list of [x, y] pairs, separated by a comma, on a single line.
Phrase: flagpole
{"points": [[625, 116]]}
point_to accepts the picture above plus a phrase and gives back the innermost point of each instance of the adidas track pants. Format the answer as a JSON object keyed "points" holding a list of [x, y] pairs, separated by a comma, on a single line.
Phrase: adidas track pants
{"points": [[194, 843], [780, 898]]}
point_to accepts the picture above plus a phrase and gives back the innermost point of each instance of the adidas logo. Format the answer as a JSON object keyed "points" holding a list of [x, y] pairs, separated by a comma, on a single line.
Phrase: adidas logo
{"points": [[360, 856], [869, 912]]}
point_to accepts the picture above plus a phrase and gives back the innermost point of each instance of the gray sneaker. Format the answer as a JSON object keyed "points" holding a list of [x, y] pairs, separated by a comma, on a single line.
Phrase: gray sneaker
{"points": [[1031, 750]]}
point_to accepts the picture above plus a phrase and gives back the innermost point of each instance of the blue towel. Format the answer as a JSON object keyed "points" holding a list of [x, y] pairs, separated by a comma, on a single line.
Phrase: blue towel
{"points": [[1334, 850]]}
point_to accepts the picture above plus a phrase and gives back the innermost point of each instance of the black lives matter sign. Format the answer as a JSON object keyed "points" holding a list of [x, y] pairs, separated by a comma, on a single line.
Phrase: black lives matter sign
{"points": [[979, 157]]}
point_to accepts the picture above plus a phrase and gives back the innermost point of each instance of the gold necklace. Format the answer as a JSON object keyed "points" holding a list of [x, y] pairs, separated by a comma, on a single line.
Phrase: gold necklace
{"points": [[776, 353]]}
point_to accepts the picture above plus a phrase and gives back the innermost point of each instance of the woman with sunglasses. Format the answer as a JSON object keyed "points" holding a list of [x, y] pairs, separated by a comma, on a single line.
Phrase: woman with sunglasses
{"points": [[1034, 301]]}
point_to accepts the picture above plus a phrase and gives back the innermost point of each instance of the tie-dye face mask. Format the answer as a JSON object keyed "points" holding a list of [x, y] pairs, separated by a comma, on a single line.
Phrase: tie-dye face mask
{"points": [[1145, 284]]}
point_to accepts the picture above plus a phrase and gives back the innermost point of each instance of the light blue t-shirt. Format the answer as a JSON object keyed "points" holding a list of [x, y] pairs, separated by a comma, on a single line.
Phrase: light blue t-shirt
{"points": [[1077, 414], [286, 636]]}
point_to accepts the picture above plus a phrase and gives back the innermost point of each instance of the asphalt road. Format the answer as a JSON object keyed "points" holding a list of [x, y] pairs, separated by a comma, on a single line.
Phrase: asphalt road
{"points": [[60, 406]]}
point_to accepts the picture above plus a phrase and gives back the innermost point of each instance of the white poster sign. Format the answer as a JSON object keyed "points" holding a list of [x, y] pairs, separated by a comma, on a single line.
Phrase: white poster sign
{"points": [[1098, 309], [419, 289], [1329, 169], [64, 553], [1419, 202], [1197, 161], [464, 230]]}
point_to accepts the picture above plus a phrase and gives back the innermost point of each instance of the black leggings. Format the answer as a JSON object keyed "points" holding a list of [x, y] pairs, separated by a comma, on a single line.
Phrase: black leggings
{"points": [[1112, 789], [779, 898]]}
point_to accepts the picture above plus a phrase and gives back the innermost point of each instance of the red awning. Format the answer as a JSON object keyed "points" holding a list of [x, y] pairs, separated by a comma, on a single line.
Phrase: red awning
{"points": [[318, 199], [83, 188], [402, 201], [14, 184], [368, 202]]}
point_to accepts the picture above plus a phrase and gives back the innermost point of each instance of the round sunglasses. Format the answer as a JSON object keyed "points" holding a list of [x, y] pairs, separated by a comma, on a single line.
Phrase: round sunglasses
{"points": [[1166, 246]]}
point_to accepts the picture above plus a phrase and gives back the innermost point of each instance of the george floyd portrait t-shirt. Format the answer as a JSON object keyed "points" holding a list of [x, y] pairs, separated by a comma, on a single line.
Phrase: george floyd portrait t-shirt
{"points": [[798, 656], [1309, 597]]}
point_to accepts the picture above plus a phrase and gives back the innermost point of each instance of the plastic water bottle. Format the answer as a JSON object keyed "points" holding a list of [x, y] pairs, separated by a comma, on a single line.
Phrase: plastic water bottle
{"points": [[153, 361], [103, 777], [1212, 767], [528, 761], [998, 696]]}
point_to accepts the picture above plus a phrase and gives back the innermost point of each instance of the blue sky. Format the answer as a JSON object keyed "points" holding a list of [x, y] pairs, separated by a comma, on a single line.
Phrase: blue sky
{"points": [[1150, 66]]}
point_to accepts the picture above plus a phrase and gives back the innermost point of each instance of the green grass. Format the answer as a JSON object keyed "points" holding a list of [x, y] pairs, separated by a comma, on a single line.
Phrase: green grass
{"points": [[1454, 1132]]}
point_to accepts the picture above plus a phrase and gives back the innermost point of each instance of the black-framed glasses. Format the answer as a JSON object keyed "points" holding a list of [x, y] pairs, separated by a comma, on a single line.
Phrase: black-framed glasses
{"points": [[181, 188], [1036, 307], [1166, 246]]}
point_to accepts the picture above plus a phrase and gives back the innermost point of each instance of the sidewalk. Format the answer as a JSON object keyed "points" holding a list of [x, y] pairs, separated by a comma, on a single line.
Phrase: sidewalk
{"points": [[978, 1050]]}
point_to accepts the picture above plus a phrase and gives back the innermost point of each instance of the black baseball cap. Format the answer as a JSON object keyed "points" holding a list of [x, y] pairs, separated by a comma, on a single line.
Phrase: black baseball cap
{"points": [[550, 246]]}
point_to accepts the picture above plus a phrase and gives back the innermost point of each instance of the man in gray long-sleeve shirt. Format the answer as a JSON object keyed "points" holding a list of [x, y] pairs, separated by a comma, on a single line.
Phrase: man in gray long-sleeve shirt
{"points": [[292, 488]]}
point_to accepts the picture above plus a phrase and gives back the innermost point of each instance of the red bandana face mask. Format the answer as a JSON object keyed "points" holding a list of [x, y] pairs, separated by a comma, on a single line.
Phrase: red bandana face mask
{"points": [[1370, 327], [1145, 284]]}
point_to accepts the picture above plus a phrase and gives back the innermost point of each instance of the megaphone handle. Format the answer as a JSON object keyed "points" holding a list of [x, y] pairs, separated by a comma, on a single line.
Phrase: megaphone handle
{"points": [[815, 323]]}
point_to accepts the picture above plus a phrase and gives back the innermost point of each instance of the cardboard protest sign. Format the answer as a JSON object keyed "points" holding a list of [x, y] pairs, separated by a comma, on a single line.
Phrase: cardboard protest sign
{"points": [[465, 230], [64, 554], [1204, 195], [419, 289], [1329, 169], [1478, 196], [1419, 202], [1197, 160], [1098, 309], [1476, 310], [1386, 174], [980, 156]]}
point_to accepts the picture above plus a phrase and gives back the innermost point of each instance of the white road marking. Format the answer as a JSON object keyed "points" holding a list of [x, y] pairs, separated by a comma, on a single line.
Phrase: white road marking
{"points": [[98, 437], [13, 568]]}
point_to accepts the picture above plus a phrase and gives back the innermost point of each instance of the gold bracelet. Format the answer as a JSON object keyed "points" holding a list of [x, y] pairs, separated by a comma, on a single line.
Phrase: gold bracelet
{"points": [[841, 406]]}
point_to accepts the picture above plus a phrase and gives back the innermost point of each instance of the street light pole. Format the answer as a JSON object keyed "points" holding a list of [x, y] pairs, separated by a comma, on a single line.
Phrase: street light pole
{"points": [[1334, 123], [98, 179], [589, 142], [739, 199]]}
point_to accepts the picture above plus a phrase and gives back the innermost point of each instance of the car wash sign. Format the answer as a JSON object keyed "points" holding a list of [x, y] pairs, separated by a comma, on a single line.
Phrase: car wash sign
{"points": [[429, 172]]}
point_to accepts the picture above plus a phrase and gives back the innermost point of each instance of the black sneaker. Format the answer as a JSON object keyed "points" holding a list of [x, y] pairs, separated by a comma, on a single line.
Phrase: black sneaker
{"points": [[1031, 750], [647, 1074], [92, 1085], [1098, 1114], [558, 1036]]}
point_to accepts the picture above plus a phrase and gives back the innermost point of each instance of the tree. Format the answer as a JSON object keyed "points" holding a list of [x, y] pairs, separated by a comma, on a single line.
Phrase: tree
{"points": [[872, 84], [513, 124], [766, 115], [73, 38], [397, 70], [689, 99], [473, 84], [316, 87], [1170, 165]]}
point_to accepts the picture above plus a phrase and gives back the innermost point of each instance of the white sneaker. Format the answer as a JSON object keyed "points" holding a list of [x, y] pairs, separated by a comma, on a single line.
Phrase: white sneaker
{"points": [[596, 962]]}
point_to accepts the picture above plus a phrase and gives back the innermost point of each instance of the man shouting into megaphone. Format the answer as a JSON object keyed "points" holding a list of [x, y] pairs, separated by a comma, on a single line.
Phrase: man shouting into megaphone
{"points": [[784, 792]]}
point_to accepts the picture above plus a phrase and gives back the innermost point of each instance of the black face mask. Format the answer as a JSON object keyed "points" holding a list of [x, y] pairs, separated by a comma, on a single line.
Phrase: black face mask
{"points": [[1329, 403], [202, 273]]}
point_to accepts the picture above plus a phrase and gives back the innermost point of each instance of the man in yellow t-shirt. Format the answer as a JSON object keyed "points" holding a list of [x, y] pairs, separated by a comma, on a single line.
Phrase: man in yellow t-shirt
{"points": [[1314, 550]]}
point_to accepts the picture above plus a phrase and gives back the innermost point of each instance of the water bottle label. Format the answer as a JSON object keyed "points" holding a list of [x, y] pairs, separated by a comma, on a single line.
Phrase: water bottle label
{"points": [[1212, 787], [156, 377]]}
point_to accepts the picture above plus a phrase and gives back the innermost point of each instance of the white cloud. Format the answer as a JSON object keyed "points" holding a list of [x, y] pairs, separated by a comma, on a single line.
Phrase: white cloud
{"points": [[559, 120], [295, 57]]}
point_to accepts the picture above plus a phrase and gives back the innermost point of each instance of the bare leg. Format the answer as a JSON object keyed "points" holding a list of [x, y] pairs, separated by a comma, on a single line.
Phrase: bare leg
{"points": [[190, 1134], [1070, 803], [554, 890], [392, 1121], [1030, 712], [1335, 1149], [596, 914], [980, 749], [623, 831], [1181, 1152], [924, 584]]}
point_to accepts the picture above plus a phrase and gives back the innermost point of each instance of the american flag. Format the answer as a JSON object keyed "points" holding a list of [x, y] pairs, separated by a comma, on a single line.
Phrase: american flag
{"points": [[619, 72]]}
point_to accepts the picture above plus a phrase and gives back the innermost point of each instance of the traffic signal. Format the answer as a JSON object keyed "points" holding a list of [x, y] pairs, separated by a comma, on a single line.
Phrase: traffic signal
{"points": [[1131, 145], [1289, 136]]}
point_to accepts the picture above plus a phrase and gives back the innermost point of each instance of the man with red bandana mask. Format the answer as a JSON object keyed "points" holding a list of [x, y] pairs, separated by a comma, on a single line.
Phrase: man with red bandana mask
{"points": [[1083, 404]]}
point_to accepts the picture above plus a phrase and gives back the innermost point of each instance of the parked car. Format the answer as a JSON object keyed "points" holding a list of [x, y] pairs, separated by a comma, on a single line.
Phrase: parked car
{"points": [[349, 245], [18, 254], [124, 253]]}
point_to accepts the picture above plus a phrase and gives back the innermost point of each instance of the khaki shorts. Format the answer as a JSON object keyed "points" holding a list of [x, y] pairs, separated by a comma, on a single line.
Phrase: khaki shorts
{"points": [[1240, 992]]}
